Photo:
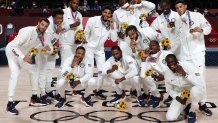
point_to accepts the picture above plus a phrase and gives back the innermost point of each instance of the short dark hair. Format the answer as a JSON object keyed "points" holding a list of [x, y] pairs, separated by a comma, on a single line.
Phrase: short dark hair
{"points": [[44, 19], [109, 7], [131, 27], [155, 42], [57, 12], [171, 56], [116, 48], [181, 1], [164, 1], [80, 48]]}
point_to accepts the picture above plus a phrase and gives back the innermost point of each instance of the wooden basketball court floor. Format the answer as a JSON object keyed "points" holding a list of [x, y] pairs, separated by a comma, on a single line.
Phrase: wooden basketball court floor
{"points": [[76, 112]]}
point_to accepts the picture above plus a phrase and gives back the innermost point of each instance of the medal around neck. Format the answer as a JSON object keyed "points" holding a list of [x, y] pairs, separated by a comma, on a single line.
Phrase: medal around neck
{"points": [[171, 24]]}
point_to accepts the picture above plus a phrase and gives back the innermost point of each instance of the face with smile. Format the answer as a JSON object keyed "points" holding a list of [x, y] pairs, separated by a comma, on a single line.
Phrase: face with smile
{"points": [[106, 14], [172, 63], [165, 8], [42, 26]]}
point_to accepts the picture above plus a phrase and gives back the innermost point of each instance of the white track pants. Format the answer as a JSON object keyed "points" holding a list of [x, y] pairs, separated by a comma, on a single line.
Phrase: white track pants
{"points": [[89, 86], [15, 65], [100, 61], [134, 81], [176, 107]]}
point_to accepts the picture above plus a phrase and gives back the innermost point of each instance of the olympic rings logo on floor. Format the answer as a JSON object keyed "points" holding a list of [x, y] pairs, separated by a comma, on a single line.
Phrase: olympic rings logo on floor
{"points": [[92, 116]]}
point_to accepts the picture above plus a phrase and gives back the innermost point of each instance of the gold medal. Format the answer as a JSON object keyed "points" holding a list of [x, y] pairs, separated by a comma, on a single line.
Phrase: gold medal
{"points": [[118, 63], [168, 25]]}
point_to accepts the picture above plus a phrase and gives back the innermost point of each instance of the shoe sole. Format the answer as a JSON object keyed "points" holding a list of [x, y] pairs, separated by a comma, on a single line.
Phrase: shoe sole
{"points": [[205, 113], [97, 97], [37, 104], [11, 113], [61, 106]]}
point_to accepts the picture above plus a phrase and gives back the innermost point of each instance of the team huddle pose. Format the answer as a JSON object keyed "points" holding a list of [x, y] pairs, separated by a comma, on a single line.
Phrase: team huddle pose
{"points": [[169, 51]]}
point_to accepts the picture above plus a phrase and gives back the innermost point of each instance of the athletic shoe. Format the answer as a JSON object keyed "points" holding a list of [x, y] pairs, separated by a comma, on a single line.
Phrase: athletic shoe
{"points": [[87, 101], [192, 117], [133, 93], [99, 94], [35, 101], [141, 101], [60, 103], [203, 108], [11, 108]]}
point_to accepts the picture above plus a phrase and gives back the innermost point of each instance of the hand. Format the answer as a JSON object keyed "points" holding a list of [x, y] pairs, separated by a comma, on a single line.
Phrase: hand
{"points": [[75, 83], [121, 35], [75, 24], [145, 54], [59, 28], [75, 62], [117, 81], [133, 45], [197, 29], [111, 23], [28, 59], [47, 48], [182, 101], [158, 77], [114, 67]]}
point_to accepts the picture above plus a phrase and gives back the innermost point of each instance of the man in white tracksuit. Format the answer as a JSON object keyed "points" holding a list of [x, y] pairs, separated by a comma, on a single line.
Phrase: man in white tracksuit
{"points": [[98, 30], [82, 69], [123, 15], [17, 52], [122, 69], [192, 48], [155, 61], [139, 39], [73, 19], [184, 84], [168, 23], [55, 32]]}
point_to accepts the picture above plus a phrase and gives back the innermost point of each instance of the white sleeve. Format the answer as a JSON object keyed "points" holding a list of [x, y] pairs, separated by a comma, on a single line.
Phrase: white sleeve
{"points": [[113, 33], [176, 42], [194, 77], [157, 36], [88, 28], [88, 72], [205, 25], [116, 22], [155, 25], [132, 71], [143, 69], [66, 65], [48, 39], [22, 37], [107, 66], [146, 4], [81, 22]]}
